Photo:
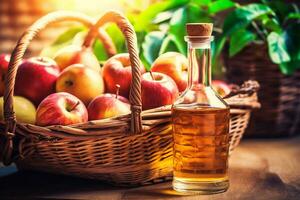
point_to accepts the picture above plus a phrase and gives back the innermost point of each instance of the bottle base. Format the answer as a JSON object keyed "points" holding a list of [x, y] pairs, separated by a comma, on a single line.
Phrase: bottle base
{"points": [[200, 187]]}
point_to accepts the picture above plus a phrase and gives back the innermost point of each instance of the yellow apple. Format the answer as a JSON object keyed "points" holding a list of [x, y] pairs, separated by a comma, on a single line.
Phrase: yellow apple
{"points": [[25, 110], [75, 54], [81, 81], [174, 65]]}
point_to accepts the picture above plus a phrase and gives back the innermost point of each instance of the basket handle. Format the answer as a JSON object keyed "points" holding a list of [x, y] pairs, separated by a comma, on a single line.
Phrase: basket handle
{"points": [[15, 61], [131, 40]]}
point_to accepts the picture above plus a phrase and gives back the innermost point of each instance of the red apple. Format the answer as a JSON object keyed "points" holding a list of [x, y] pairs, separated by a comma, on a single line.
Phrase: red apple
{"points": [[158, 90], [80, 81], [4, 61], [61, 109], [221, 87], [117, 70], [76, 55], [108, 105], [174, 65], [36, 78]]}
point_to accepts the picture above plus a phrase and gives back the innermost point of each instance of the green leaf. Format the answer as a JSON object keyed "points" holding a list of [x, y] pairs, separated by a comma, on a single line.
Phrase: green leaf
{"points": [[217, 46], [179, 20], [151, 45], [201, 2], [196, 14], [271, 24], [68, 35], [163, 48], [289, 40], [292, 40], [220, 5], [239, 40], [243, 16], [71, 36], [140, 38], [145, 62], [169, 44], [143, 21], [156, 43], [117, 36], [187, 14], [99, 51], [177, 28], [277, 48], [288, 68], [293, 16], [179, 43], [281, 8], [163, 17]]}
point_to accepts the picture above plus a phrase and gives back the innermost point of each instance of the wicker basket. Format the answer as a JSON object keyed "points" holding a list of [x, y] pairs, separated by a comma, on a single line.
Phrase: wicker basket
{"points": [[279, 96], [129, 150]]}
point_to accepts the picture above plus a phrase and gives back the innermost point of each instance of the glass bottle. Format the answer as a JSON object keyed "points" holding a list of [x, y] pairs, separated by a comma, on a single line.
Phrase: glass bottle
{"points": [[200, 120]]}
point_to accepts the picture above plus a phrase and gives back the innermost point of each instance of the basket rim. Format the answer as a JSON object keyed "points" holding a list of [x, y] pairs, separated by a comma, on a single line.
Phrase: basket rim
{"points": [[86, 130], [117, 126]]}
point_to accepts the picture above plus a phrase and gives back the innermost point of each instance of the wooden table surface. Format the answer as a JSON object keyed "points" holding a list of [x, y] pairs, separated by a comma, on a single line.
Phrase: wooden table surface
{"points": [[259, 169]]}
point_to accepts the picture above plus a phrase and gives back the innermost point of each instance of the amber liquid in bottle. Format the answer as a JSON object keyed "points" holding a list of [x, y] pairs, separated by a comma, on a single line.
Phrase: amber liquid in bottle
{"points": [[200, 121], [200, 144]]}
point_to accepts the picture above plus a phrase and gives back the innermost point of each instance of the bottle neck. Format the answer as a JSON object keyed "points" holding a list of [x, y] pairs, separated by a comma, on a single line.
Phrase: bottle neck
{"points": [[199, 55]]}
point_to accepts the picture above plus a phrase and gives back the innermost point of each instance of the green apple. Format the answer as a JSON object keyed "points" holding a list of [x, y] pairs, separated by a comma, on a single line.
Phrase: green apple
{"points": [[25, 110]]}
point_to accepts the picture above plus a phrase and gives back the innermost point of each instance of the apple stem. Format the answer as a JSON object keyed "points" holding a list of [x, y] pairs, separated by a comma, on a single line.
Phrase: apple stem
{"points": [[118, 90], [78, 102], [152, 76]]}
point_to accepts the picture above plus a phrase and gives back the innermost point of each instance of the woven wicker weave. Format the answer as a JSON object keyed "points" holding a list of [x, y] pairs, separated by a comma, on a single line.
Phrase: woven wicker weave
{"points": [[279, 96], [126, 150]]}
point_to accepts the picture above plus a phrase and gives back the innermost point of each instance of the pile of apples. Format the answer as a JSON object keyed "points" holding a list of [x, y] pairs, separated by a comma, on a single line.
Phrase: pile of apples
{"points": [[73, 88]]}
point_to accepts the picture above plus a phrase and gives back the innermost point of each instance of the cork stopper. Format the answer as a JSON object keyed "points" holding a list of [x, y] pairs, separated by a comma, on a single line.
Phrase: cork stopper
{"points": [[199, 29]]}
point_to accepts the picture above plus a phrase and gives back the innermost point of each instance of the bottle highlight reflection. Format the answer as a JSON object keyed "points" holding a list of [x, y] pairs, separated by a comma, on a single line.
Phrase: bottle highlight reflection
{"points": [[200, 120]]}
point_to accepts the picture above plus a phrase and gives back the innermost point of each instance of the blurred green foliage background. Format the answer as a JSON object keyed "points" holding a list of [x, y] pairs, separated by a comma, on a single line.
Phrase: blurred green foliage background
{"points": [[160, 27]]}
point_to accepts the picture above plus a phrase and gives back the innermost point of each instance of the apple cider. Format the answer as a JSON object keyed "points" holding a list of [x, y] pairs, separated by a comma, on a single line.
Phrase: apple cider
{"points": [[201, 143], [200, 122]]}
